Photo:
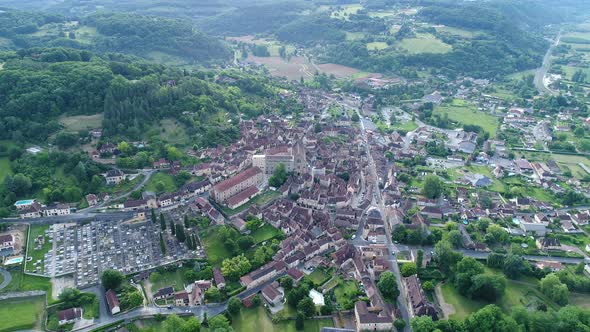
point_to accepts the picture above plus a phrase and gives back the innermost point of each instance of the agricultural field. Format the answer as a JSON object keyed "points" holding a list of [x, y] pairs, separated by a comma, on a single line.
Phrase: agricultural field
{"points": [[22, 314], [256, 319], [298, 67], [344, 12], [377, 46], [456, 31], [424, 43], [463, 112], [81, 122]]}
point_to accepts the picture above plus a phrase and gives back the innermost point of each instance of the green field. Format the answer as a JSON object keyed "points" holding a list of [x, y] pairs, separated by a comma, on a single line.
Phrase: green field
{"points": [[81, 122], [424, 43], [345, 11], [376, 46], [265, 233], [463, 112], [37, 255], [23, 282], [5, 168], [354, 35], [456, 31], [161, 177], [259, 200], [518, 293], [406, 126], [170, 278], [21, 314], [256, 319], [320, 276], [580, 300], [564, 161], [85, 34], [382, 14], [216, 251], [173, 132]]}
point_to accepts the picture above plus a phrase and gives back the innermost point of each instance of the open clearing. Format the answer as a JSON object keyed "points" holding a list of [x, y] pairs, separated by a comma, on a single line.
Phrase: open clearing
{"points": [[344, 12], [272, 45], [465, 113], [86, 34], [424, 43], [81, 122], [5, 168], [376, 46], [256, 319], [456, 31], [354, 35], [21, 314], [173, 132], [299, 67]]}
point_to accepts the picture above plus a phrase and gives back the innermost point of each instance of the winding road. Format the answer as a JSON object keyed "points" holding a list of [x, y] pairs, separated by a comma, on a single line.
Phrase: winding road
{"points": [[6, 278], [542, 71]]}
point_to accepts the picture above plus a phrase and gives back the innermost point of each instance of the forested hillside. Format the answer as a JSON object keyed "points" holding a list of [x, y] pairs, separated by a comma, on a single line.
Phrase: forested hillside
{"points": [[39, 85], [151, 37]]}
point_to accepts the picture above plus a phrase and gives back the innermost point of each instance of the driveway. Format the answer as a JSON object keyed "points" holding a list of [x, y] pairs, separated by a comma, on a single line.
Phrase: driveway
{"points": [[6, 280]]}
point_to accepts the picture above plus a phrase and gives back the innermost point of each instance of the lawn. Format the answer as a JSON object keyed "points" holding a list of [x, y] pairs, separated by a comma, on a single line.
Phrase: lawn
{"points": [[21, 314], [376, 46], [465, 113], [216, 251], [320, 276], [167, 183], [81, 122], [170, 278], [424, 43], [5, 168], [346, 292], [463, 306], [406, 126], [265, 233], [37, 254], [580, 300], [256, 319], [23, 282]]}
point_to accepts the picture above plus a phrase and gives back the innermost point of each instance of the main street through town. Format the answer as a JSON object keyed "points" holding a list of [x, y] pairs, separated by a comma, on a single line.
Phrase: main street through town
{"points": [[377, 202]]}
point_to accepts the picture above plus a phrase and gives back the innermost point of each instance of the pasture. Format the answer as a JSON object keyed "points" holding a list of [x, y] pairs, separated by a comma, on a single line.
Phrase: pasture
{"points": [[81, 122], [424, 43], [467, 114]]}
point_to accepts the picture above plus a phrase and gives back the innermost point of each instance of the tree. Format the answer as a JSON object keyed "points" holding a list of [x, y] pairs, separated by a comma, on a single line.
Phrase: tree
{"points": [[433, 187], [245, 242], [173, 323], [428, 286], [300, 321], [490, 319], [446, 256], [180, 234], [213, 295], [153, 216], [132, 300], [487, 287], [234, 305], [515, 266], [306, 306], [172, 227], [19, 184], [355, 117], [408, 269], [554, 289], [219, 323], [456, 238], [399, 324], [256, 301], [191, 325], [496, 235], [234, 268], [388, 285], [162, 222], [420, 258], [111, 279], [466, 269], [279, 176], [422, 324]]}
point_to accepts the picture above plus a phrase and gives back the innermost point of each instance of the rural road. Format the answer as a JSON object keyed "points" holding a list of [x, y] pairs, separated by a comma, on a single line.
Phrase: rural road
{"points": [[541, 72], [7, 278]]}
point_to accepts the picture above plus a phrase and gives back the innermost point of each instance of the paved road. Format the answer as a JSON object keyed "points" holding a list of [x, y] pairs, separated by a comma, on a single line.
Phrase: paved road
{"points": [[541, 72], [7, 278]]}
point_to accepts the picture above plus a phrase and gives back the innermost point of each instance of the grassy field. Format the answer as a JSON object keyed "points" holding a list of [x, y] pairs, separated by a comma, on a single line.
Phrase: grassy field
{"points": [[5, 168], [81, 122], [164, 178], [21, 314], [383, 13], [171, 278], [163, 57], [344, 12], [424, 43], [256, 319], [564, 161], [518, 293], [465, 113], [354, 35], [406, 126], [456, 31], [580, 300], [320, 276], [376, 46], [22, 282], [265, 233], [173, 132], [216, 251], [38, 255], [85, 34]]}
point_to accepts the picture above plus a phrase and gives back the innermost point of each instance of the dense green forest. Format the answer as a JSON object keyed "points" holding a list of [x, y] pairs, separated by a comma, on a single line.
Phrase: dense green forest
{"points": [[39, 85], [145, 36]]}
